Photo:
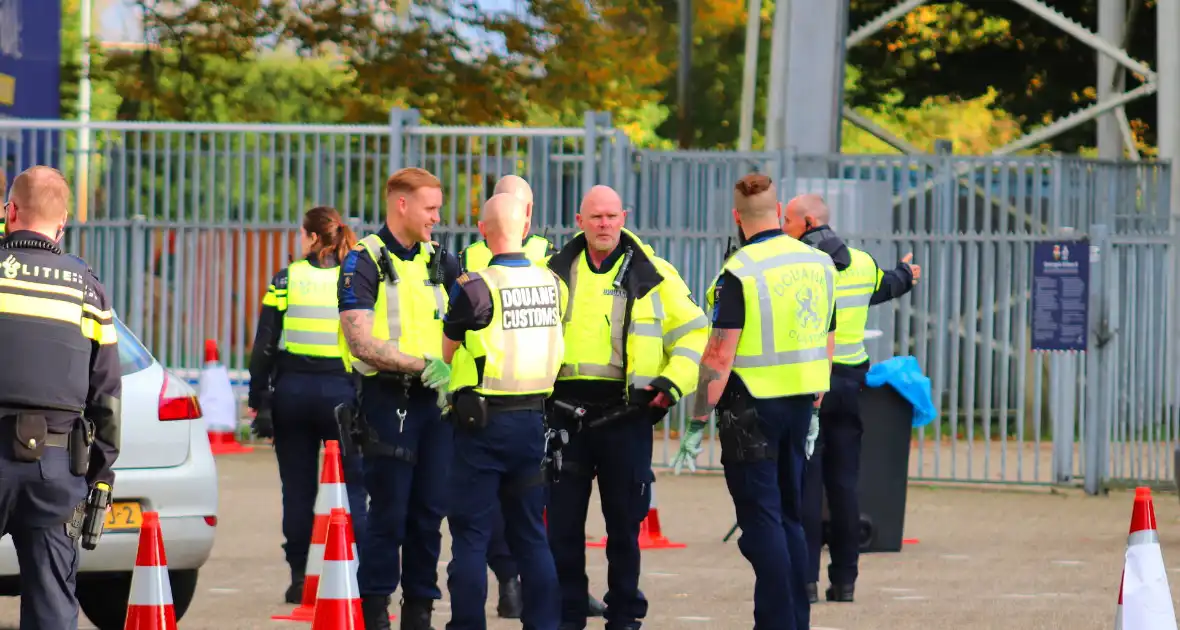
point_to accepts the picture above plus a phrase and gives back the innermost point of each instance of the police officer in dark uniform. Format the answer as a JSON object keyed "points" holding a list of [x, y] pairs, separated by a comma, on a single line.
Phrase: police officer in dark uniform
{"points": [[297, 379], [392, 301], [504, 340], [835, 465], [60, 411]]}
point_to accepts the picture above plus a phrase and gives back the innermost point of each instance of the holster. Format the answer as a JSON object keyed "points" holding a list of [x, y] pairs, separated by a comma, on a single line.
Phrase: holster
{"points": [[357, 437], [29, 432], [81, 439], [742, 440], [469, 410]]}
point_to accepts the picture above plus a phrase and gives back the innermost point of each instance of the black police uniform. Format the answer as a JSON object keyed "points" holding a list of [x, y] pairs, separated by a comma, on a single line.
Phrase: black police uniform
{"points": [[296, 397], [54, 319], [407, 501], [784, 422], [835, 464]]}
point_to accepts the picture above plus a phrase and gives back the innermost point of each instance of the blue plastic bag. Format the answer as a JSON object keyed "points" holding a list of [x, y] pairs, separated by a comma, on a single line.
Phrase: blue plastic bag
{"points": [[904, 376]]}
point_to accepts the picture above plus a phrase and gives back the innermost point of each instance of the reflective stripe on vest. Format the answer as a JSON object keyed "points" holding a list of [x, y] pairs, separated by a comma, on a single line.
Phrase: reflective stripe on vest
{"points": [[522, 346], [789, 293], [311, 321], [477, 256], [587, 324], [854, 289], [403, 310]]}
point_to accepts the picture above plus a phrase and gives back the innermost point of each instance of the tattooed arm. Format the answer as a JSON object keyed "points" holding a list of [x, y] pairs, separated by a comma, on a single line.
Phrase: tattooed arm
{"points": [[382, 355], [715, 367]]}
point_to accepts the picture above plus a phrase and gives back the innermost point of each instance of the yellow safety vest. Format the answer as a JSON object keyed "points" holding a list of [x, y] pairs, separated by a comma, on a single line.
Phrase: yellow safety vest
{"points": [[311, 320], [409, 307], [663, 335], [854, 288], [789, 298], [477, 256], [521, 347]]}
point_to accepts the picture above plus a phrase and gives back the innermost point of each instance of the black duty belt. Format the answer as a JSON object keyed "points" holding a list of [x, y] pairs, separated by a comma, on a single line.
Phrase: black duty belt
{"points": [[504, 404]]}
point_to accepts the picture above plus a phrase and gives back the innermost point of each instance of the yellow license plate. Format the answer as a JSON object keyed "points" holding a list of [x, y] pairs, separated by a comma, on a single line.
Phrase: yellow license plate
{"points": [[124, 516]]}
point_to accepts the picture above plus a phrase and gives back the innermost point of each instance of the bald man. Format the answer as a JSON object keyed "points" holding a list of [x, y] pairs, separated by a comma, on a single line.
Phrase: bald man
{"points": [[835, 462], [633, 337], [536, 248], [56, 323], [503, 338]]}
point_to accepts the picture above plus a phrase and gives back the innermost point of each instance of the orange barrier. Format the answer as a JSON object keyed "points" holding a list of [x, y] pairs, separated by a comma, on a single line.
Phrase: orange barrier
{"points": [[651, 535], [149, 606]]}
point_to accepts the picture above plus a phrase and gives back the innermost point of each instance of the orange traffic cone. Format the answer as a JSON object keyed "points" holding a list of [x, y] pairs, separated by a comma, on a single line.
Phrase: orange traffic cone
{"points": [[149, 606], [219, 404], [332, 495], [1145, 600], [651, 535], [338, 603]]}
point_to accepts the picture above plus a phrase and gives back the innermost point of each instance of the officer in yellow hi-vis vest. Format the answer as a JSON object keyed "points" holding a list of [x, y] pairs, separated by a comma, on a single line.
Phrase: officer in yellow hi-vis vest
{"points": [[392, 300], [503, 338], [477, 255], [633, 342], [61, 382], [773, 317], [297, 379], [835, 464]]}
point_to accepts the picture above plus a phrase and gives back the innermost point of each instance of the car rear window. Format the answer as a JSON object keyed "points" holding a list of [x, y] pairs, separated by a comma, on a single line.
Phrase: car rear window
{"points": [[133, 357]]}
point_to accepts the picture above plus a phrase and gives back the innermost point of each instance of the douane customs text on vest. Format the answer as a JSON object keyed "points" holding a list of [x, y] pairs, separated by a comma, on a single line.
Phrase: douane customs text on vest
{"points": [[529, 307], [11, 268]]}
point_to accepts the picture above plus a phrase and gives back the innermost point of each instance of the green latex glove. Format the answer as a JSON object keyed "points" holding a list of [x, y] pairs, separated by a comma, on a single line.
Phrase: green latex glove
{"points": [[437, 374], [690, 447], [812, 433]]}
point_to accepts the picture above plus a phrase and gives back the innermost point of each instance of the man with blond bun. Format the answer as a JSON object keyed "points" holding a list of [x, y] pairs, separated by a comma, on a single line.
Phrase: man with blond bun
{"points": [[767, 363], [62, 383], [477, 256], [504, 341], [392, 299]]}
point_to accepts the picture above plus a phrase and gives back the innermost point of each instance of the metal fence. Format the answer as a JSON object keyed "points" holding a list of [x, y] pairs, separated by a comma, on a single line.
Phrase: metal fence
{"points": [[187, 223]]}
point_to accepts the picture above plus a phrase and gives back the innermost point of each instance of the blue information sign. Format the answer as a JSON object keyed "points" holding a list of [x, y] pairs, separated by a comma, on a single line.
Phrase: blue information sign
{"points": [[30, 75], [1060, 295]]}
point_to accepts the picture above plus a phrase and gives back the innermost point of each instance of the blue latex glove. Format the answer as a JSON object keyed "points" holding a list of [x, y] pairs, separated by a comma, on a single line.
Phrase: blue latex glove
{"points": [[690, 447], [812, 432], [437, 375]]}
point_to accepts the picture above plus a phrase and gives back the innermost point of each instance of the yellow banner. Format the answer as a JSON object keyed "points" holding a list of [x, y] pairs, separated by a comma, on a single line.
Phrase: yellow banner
{"points": [[7, 90]]}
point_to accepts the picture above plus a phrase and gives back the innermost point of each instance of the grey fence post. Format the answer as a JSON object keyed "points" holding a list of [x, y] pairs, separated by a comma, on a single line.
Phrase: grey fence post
{"points": [[589, 152], [138, 229], [1098, 417]]}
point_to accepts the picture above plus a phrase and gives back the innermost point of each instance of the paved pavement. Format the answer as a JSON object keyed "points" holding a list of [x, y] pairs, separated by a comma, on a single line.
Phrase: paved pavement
{"points": [[994, 560]]}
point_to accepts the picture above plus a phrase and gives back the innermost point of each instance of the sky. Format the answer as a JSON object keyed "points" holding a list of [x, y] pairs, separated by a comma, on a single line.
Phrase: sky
{"points": [[117, 22]]}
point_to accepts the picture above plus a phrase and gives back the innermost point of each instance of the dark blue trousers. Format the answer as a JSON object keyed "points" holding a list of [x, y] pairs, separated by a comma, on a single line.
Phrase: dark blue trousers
{"points": [[500, 559], [36, 500], [620, 456], [834, 467], [304, 417], [407, 500], [766, 497], [499, 467]]}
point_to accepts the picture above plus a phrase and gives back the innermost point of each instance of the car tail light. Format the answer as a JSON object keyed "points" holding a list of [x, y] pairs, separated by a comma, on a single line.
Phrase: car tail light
{"points": [[211, 521], [178, 401]]}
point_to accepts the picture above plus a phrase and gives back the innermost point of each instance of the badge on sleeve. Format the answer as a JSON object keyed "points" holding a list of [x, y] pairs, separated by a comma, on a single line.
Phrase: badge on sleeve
{"points": [[347, 280]]}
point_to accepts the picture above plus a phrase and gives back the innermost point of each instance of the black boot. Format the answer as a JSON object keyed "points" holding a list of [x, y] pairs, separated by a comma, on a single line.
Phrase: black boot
{"points": [[375, 610], [596, 608], [840, 593], [813, 592], [416, 614], [511, 602], [294, 594]]}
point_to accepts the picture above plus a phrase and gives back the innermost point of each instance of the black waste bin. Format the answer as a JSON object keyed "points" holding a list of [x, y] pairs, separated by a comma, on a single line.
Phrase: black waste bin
{"points": [[884, 469]]}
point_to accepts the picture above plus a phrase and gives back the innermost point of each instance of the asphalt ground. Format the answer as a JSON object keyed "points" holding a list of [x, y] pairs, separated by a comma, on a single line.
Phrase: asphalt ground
{"points": [[985, 559]]}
